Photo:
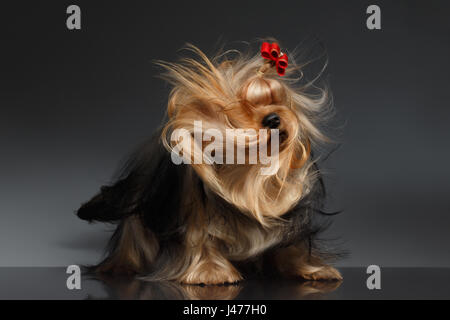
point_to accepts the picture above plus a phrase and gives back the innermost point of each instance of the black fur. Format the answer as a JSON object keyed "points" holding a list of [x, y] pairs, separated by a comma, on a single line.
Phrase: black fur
{"points": [[150, 186]]}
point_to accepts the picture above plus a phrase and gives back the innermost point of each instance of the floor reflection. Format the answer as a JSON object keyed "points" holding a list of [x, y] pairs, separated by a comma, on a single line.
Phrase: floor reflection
{"points": [[397, 283], [125, 288]]}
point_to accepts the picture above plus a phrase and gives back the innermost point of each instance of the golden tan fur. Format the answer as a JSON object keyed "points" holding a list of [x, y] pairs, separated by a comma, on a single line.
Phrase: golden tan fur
{"points": [[231, 212], [231, 94], [136, 248]]}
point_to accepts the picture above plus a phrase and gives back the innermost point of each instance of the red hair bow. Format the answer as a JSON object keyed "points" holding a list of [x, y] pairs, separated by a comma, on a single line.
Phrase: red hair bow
{"points": [[273, 53]]}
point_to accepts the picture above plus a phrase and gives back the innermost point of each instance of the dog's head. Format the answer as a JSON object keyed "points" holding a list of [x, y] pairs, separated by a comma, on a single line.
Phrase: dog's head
{"points": [[245, 130]]}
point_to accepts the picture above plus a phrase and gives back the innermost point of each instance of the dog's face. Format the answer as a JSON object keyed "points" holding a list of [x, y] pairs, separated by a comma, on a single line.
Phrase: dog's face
{"points": [[246, 135]]}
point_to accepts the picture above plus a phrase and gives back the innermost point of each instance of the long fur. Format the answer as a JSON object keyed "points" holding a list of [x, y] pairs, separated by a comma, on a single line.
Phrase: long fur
{"points": [[201, 223]]}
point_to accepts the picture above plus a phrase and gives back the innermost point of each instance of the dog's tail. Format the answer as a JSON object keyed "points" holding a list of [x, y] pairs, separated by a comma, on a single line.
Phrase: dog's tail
{"points": [[149, 185], [103, 206], [132, 187]]}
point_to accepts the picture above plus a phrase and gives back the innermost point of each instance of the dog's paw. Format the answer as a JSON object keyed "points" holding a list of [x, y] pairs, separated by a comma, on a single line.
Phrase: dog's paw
{"points": [[324, 273], [307, 289], [226, 292], [212, 274]]}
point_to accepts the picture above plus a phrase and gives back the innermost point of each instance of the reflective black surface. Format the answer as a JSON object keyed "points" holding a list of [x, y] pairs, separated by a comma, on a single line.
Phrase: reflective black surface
{"points": [[396, 283]]}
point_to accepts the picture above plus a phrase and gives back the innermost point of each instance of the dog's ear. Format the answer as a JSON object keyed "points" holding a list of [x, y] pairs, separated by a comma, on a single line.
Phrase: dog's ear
{"points": [[149, 185]]}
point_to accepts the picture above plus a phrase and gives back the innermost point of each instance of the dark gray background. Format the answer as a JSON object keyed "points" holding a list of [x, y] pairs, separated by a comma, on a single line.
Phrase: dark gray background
{"points": [[74, 103]]}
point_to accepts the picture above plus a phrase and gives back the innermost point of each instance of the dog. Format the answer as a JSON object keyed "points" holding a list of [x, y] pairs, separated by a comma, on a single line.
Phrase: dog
{"points": [[209, 222]]}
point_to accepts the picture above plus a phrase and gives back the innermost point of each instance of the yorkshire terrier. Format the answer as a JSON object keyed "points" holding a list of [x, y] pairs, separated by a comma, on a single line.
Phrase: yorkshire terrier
{"points": [[183, 213]]}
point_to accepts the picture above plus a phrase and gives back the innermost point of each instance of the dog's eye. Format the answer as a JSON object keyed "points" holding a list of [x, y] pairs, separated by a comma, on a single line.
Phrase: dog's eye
{"points": [[271, 121]]}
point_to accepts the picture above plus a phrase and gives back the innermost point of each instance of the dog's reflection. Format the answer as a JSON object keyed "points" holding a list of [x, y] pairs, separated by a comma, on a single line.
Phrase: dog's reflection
{"points": [[126, 288]]}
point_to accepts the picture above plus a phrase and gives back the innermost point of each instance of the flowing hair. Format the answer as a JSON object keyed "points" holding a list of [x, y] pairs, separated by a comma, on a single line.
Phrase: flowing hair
{"points": [[227, 92]]}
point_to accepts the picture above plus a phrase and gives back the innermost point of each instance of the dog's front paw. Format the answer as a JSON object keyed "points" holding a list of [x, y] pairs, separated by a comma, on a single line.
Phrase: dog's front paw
{"points": [[212, 292], [210, 273], [325, 273]]}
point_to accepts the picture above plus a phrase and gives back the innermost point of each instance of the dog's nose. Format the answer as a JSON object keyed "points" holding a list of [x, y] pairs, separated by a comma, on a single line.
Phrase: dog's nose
{"points": [[272, 121]]}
